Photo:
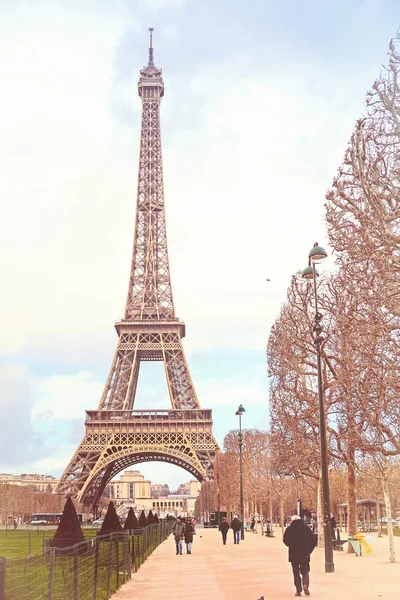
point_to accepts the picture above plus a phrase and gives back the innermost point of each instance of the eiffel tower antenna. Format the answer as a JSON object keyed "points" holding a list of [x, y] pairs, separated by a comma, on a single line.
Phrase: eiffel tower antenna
{"points": [[118, 436], [151, 55]]}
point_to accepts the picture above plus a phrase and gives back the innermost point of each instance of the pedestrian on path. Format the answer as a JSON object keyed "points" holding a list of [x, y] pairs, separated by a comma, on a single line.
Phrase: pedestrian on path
{"points": [[224, 528], [333, 526], [253, 523], [301, 542], [178, 531], [189, 533], [236, 526]]}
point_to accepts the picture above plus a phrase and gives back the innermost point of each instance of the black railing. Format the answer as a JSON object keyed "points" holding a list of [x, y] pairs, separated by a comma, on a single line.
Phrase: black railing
{"points": [[91, 570]]}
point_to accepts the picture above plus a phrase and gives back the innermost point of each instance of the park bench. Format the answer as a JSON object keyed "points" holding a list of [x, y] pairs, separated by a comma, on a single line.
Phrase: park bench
{"points": [[367, 528], [355, 544], [338, 544]]}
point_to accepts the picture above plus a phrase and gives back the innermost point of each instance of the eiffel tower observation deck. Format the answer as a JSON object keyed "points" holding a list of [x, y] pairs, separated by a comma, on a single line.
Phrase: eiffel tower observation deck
{"points": [[117, 436]]}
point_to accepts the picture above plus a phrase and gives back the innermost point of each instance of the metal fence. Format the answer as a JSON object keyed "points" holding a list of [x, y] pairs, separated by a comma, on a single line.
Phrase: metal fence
{"points": [[91, 570]]}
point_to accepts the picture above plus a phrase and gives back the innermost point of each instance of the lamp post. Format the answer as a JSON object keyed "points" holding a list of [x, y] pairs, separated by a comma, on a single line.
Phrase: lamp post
{"points": [[317, 255], [239, 413], [218, 497]]}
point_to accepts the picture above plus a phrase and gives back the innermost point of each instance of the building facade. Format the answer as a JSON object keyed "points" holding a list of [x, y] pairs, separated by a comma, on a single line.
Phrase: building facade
{"points": [[41, 483], [130, 486], [158, 490]]}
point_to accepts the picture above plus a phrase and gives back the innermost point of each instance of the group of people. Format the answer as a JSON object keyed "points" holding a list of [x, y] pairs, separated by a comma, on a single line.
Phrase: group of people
{"points": [[184, 530], [236, 527], [298, 536]]}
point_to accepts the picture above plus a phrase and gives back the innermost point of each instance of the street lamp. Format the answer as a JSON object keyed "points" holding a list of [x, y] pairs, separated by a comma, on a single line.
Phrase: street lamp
{"points": [[317, 255], [239, 413], [218, 497]]}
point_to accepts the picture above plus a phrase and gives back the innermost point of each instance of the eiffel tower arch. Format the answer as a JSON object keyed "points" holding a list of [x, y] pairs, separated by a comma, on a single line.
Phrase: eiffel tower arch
{"points": [[117, 436]]}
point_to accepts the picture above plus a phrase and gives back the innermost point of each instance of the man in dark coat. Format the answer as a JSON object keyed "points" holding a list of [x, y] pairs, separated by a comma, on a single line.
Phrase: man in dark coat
{"points": [[236, 526], [223, 527], [178, 531], [301, 542]]}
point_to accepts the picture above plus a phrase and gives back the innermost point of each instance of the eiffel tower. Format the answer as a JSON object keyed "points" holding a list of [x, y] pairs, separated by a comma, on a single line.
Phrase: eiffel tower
{"points": [[117, 436]]}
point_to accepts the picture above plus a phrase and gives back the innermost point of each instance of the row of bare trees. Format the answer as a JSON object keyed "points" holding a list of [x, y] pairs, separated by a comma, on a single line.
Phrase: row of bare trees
{"points": [[272, 482], [360, 303], [20, 502]]}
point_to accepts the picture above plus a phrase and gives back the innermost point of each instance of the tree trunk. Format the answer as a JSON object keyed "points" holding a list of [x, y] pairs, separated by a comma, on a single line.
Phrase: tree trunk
{"points": [[378, 518], [351, 501], [282, 515], [270, 514], [392, 553]]}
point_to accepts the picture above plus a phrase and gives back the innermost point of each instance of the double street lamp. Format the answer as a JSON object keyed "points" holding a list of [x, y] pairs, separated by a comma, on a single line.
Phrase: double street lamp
{"points": [[239, 413], [317, 255]]}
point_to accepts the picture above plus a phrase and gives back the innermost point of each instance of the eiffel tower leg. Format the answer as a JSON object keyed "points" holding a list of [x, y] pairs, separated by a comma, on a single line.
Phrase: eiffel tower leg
{"points": [[180, 384], [120, 389]]}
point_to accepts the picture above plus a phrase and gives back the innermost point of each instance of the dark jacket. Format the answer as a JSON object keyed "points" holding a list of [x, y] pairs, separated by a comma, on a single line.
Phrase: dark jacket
{"points": [[224, 526], [236, 524], [178, 530], [301, 541], [189, 531]]}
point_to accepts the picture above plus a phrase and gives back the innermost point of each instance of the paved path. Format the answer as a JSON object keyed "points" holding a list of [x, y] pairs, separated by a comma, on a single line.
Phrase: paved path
{"points": [[257, 567]]}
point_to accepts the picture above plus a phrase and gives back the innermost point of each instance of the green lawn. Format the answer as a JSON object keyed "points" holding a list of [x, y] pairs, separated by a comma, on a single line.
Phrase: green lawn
{"points": [[27, 574], [396, 531], [16, 542]]}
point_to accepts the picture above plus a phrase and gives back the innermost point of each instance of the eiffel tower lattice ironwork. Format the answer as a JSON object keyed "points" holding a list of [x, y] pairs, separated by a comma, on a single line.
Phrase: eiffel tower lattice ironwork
{"points": [[117, 436]]}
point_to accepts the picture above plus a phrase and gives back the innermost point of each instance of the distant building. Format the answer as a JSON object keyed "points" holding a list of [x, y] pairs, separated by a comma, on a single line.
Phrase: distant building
{"points": [[41, 483], [158, 490], [132, 489], [131, 485]]}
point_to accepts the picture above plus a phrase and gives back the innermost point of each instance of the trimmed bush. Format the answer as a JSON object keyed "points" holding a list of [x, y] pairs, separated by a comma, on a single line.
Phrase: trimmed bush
{"points": [[69, 531], [111, 522], [142, 520], [131, 521], [150, 518], [155, 518]]}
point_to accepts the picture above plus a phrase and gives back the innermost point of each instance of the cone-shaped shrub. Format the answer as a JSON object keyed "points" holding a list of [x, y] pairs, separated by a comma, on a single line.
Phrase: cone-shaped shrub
{"points": [[142, 520], [131, 521], [69, 531], [150, 518], [155, 518], [111, 521]]}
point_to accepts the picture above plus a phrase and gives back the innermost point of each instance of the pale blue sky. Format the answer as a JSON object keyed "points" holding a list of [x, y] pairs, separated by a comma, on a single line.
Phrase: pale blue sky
{"points": [[260, 100]]}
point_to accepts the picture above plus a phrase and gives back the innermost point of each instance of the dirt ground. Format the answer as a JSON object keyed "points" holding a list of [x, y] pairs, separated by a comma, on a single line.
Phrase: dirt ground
{"points": [[258, 567]]}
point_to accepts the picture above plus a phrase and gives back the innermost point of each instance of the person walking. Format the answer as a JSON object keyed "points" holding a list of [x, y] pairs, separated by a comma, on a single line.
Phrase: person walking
{"points": [[315, 529], [178, 531], [236, 526], [224, 527], [253, 523], [189, 533], [301, 542], [333, 526]]}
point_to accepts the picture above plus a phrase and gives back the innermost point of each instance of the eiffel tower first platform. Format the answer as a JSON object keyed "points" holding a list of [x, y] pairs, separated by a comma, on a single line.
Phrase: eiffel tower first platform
{"points": [[117, 436]]}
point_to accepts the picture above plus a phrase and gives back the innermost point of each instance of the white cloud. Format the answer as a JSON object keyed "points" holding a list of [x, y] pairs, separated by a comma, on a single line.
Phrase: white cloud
{"points": [[63, 397], [246, 385], [157, 5], [170, 32]]}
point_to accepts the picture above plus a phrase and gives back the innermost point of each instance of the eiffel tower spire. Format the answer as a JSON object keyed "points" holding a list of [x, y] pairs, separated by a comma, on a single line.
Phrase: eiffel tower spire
{"points": [[117, 436], [151, 57]]}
